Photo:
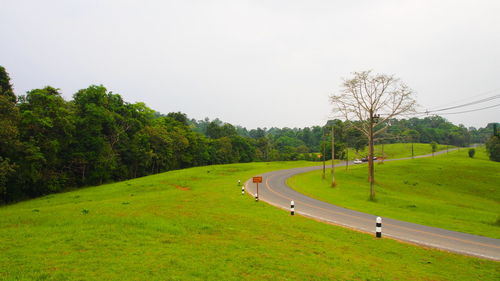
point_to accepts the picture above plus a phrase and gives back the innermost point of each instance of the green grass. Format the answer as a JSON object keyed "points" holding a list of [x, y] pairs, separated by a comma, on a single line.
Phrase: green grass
{"points": [[194, 224], [397, 150], [450, 191]]}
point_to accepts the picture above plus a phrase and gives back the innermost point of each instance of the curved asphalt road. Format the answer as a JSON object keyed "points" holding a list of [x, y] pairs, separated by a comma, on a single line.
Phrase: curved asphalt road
{"points": [[275, 191]]}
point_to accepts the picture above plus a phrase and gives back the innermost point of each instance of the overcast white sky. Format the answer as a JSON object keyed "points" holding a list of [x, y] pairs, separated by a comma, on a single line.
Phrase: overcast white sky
{"points": [[255, 63]]}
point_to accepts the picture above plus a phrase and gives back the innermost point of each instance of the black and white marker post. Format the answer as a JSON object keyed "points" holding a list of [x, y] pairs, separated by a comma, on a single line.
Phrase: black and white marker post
{"points": [[256, 197], [242, 190], [378, 227], [239, 182], [292, 208]]}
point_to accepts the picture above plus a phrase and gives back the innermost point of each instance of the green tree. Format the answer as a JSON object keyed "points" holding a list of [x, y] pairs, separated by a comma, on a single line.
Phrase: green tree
{"points": [[214, 130], [46, 130], [222, 151], [102, 130], [354, 138], [6, 170], [263, 147], [493, 148], [5, 86], [434, 146], [257, 133], [10, 145], [180, 117]]}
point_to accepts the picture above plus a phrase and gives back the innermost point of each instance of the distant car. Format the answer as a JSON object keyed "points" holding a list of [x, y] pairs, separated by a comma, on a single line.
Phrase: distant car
{"points": [[365, 159], [357, 161]]}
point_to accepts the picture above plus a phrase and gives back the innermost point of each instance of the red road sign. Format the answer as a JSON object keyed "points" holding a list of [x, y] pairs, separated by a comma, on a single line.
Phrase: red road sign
{"points": [[257, 179]]}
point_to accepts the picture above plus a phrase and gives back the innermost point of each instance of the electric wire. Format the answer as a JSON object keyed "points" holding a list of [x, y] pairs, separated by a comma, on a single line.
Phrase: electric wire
{"points": [[477, 109], [433, 112], [465, 104], [468, 98]]}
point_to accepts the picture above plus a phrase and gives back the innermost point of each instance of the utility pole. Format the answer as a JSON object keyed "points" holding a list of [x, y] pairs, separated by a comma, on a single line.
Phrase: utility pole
{"points": [[347, 158], [324, 150], [383, 155], [267, 149], [333, 158], [370, 156]]}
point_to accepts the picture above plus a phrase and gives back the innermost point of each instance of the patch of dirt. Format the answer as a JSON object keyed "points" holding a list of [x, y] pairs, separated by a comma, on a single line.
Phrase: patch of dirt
{"points": [[179, 187], [182, 187]]}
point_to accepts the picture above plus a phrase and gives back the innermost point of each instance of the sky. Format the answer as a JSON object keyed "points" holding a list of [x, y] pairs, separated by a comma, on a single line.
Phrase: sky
{"points": [[255, 63]]}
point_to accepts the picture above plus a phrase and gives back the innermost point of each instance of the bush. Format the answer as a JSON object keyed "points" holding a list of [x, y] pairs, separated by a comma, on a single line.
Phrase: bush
{"points": [[493, 148], [434, 146], [472, 151]]}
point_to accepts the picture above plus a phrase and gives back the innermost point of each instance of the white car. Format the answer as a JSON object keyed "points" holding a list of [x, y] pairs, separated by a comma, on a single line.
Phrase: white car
{"points": [[357, 161]]}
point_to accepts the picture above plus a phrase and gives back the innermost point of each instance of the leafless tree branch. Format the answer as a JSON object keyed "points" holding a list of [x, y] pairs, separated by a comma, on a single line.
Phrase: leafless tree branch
{"points": [[371, 100]]}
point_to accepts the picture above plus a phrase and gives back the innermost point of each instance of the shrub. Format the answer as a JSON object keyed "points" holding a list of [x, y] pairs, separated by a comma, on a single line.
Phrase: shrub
{"points": [[434, 146], [472, 151], [493, 148], [497, 223]]}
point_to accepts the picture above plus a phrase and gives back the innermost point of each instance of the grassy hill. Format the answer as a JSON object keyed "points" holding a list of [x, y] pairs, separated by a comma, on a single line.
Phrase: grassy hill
{"points": [[397, 150], [451, 191], [194, 224]]}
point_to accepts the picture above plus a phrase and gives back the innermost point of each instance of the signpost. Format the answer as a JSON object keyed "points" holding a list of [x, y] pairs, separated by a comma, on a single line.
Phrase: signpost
{"points": [[257, 180]]}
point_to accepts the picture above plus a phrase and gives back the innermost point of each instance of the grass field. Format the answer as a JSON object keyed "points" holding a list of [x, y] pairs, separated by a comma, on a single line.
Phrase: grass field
{"points": [[194, 224], [450, 191], [397, 150]]}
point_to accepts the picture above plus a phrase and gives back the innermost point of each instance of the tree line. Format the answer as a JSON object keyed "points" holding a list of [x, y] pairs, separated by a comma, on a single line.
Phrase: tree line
{"points": [[48, 144]]}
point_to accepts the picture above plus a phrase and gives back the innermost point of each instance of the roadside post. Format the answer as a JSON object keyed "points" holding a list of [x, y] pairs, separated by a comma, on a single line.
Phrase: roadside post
{"points": [[257, 180], [292, 208], [378, 227], [239, 182], [242, 190]]}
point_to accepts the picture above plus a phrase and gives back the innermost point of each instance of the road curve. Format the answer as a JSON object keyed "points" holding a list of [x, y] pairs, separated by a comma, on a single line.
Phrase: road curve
{"points": [[275, 191]]}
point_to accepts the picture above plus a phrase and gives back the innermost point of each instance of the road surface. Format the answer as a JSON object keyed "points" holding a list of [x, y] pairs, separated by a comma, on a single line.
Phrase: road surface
{"points": [[275, 191]]}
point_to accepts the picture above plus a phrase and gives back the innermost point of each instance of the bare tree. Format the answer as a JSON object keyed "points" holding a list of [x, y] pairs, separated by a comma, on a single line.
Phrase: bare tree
{"points": [[372, 99]]}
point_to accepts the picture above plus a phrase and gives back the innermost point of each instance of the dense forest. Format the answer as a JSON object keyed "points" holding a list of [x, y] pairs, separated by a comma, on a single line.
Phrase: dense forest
{"points": [[48, 144]]}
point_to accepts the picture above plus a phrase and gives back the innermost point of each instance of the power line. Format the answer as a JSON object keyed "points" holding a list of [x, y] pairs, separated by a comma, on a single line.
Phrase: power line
{"points": [[420, 114], [427, 112], [471, 97], [471, 110], [465, 104]]}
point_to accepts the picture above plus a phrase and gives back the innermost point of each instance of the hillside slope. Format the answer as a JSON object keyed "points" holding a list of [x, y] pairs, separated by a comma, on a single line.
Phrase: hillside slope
{"points": [[397, 150], [450, 191], [194, 224]]}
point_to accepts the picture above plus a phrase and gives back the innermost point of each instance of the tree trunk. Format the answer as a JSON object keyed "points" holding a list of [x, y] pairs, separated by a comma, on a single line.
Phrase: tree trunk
{"points": [[83, 175]]}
